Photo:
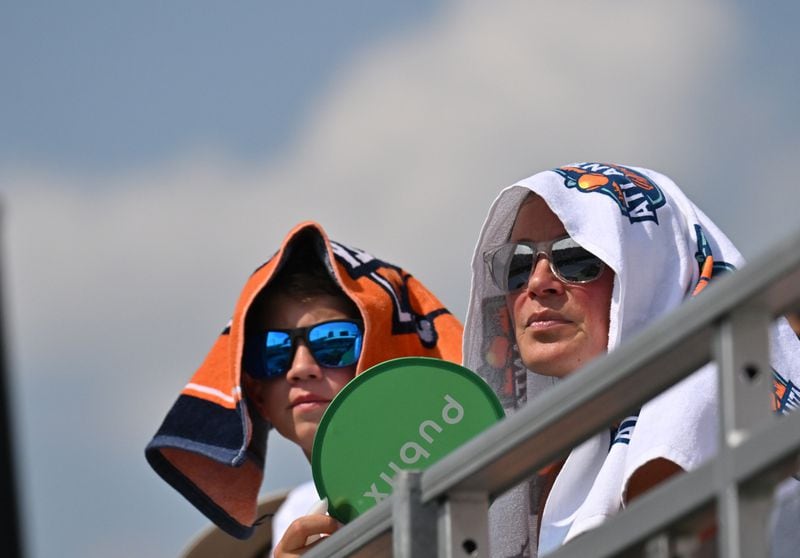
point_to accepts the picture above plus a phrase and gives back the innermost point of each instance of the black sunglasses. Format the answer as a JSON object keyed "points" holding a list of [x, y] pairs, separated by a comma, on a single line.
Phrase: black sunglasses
{"points": [[333, 344], [511, 264]]}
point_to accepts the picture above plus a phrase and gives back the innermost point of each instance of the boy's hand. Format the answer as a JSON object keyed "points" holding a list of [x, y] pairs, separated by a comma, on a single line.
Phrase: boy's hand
{"points": [[294, 541]]}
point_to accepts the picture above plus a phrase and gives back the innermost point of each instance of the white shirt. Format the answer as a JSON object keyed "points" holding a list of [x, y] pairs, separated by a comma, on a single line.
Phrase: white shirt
{"points": [[299, 500]]}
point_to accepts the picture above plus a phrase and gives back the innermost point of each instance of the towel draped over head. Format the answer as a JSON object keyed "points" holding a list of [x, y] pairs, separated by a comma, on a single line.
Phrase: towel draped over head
{"points": [[662, 250], [212, 450]]}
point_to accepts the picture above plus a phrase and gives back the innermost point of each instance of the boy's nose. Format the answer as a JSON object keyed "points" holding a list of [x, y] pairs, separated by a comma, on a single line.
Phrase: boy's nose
{"points": [[304, 366]]}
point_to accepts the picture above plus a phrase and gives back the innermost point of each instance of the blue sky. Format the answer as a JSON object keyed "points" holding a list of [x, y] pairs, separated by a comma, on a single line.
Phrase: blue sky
{"points": [[98, 86], [152, 155]]}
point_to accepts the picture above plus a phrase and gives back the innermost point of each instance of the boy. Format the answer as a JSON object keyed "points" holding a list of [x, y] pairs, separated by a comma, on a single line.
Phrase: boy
{"points": [[276, 365]]}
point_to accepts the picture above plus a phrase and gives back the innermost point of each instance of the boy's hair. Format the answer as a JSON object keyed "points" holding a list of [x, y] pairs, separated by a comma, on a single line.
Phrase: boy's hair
{"points": [[302, 277]]}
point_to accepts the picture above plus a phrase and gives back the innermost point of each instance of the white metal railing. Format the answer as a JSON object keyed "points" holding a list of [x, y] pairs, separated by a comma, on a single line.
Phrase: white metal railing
{"points": [[442, 511]]}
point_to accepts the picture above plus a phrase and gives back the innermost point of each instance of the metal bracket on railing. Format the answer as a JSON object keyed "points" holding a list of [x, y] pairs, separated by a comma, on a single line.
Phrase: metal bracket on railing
{"points": [[657, 546], [463, 525], [414, 530], [742, 355]]}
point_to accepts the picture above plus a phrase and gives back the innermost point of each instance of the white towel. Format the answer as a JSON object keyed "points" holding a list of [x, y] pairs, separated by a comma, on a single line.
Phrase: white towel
{"points": [[655, 240]]}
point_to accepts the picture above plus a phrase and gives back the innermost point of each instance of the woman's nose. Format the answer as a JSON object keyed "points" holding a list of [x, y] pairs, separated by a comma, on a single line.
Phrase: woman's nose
{"points": [[542, 280]]}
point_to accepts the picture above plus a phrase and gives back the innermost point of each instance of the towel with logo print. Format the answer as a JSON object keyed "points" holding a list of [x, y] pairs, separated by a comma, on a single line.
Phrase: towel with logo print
{"points": [[211, 447], [663, 250]]}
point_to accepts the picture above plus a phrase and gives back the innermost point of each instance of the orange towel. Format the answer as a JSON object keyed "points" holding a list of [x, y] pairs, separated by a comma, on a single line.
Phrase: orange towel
{"points": [[212, 450]]}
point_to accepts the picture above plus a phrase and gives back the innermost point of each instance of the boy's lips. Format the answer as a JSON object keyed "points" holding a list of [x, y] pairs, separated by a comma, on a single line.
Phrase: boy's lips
{"points": [[308, 399]]}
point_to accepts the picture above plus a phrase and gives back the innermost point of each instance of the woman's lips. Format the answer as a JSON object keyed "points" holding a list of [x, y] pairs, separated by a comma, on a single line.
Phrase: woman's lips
{"points": [[546, 324], [545, 321]]}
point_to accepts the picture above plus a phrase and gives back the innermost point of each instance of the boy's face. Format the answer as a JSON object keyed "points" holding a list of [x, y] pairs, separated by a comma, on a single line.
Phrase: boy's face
{"points": [[294, 403]]}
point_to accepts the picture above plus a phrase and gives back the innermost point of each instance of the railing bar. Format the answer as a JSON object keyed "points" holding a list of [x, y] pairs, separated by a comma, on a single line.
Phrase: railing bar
{"points": [[625, 378], [774, 445], [357, 536], [777, 269], [768, 456], [645, 517], [573, 410], [509, 451]]}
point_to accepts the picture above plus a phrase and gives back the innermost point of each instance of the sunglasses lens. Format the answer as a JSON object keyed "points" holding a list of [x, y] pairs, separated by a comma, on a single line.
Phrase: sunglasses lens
{"points": [[519, 264], [335, 344], [575, 263], [277, 353]]}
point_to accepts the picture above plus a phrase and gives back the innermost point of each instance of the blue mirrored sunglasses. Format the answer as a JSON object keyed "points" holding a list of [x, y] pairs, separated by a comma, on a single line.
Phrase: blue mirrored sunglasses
{"points": [[333, 344]]}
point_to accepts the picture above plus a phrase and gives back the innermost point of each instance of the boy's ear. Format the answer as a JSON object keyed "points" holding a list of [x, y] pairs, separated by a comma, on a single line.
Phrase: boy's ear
{"points": [[256, 394]]}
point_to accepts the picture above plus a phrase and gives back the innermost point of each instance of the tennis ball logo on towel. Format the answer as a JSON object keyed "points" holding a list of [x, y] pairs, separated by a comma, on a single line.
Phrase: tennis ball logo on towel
{"points": [[637, 196], [413, 451]]}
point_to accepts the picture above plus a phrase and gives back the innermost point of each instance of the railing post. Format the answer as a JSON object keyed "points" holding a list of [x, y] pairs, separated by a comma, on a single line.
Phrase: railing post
{"points": [[414, 524], [463, 525], [745, 378]]}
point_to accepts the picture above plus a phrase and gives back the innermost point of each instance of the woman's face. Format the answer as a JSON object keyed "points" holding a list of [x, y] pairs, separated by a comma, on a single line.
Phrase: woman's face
{"points": [[558, 327]]}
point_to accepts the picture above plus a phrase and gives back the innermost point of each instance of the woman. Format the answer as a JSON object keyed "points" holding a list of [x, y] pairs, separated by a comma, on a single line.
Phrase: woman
{"points": [[570, 264]]}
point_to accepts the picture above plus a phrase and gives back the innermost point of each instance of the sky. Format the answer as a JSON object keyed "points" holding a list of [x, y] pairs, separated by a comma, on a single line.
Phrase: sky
{"points": [[153, 154]]}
